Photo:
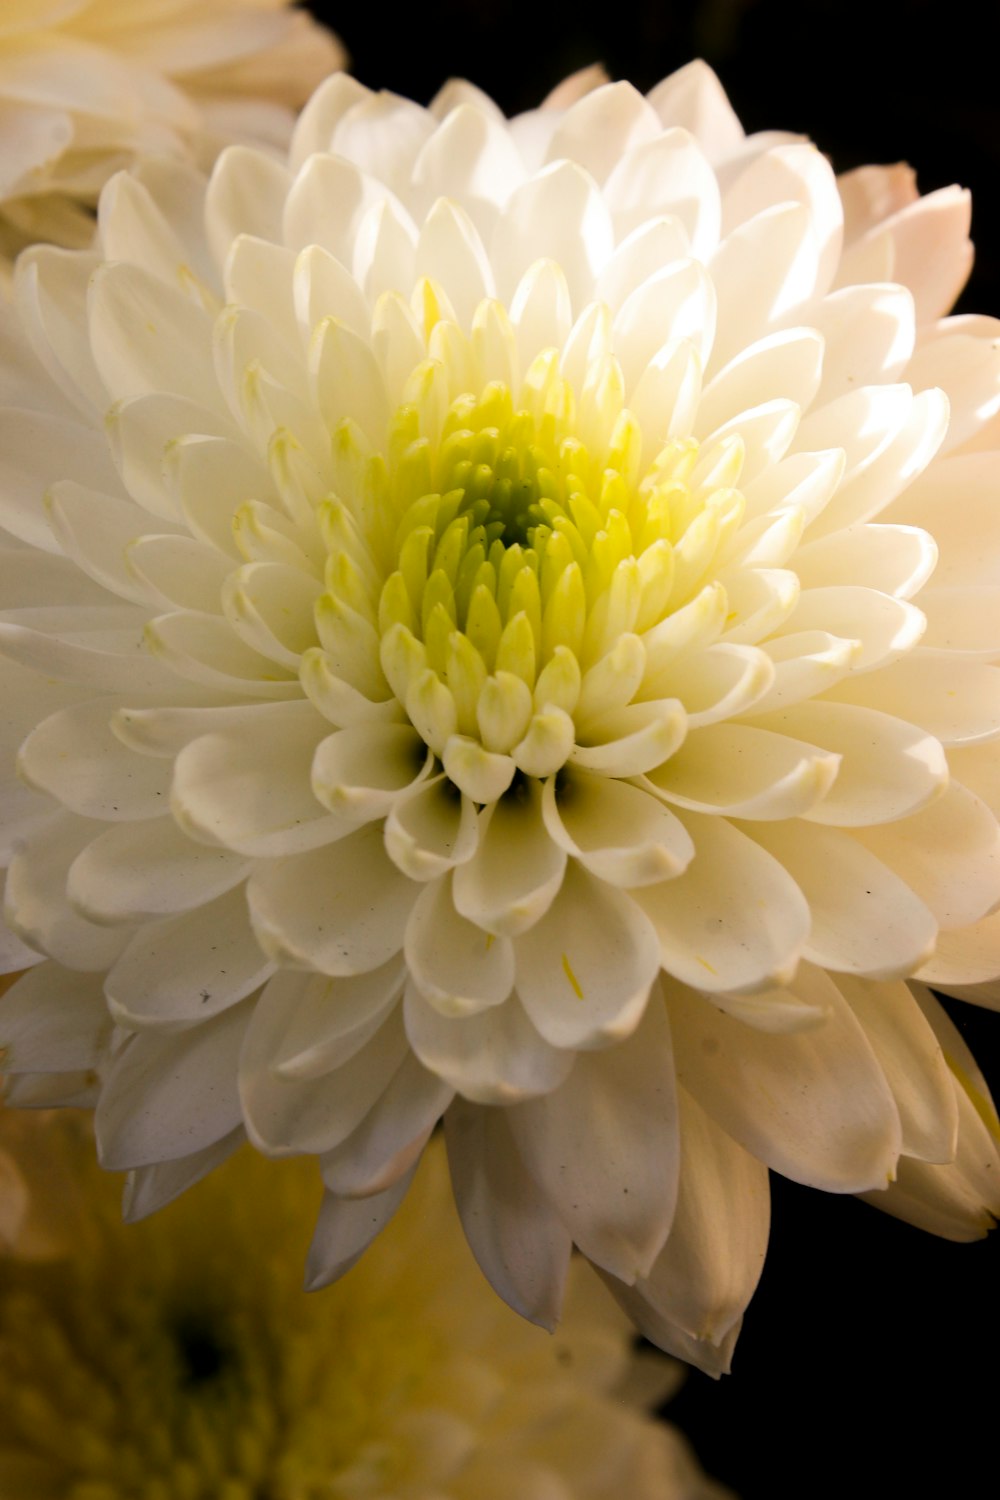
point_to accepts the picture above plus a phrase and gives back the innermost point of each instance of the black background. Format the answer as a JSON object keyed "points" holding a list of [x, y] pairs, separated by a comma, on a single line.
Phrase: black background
{"points": [[866, 1364]]}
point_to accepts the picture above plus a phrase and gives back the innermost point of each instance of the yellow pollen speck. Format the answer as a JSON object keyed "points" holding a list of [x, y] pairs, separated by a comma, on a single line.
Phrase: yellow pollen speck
{"points": [[568, 971], [705, 964], [490, 940]]}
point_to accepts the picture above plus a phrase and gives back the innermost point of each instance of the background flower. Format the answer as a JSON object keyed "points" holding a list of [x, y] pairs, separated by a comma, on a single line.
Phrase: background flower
{"points": [[86, 84], [182, 1355], [656, 706]]}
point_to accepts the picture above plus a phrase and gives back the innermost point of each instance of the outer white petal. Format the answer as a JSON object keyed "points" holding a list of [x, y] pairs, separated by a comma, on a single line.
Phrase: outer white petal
{"points": [[187, 968], [168, 1096], [53, 1020], [864, 918], [287, 1116], [515, 1233], [604, 1148], [148, 1189], [346, 1227], [392, 1135], [706, 1273], [141, 870], [813, 1105], [341, 909], [35, 905], [913, 1063]]}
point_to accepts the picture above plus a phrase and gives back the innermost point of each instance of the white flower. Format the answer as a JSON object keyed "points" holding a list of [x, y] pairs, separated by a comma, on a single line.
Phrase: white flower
{"points": [[462, 656], [85, 85], [165, 1360]]}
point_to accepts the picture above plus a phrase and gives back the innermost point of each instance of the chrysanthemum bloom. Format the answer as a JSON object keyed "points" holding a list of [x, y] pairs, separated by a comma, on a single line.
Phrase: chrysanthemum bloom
{"points": [[183, 1357], [501, 624], [85, 85]]}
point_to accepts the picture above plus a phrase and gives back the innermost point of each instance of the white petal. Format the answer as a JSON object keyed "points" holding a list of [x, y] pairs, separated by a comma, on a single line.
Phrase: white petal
{"points": [[318, 120], [341, 909], [148, 869], [458, 968], [897, 560], [514, 875], [616, 831], [693, 97], [245, 196], [813, 1105], [948, 853], [53, 1020], [677, 302], [35, 904], [793, 174], [584, 971], [168, 1096], [391, 1136], [735, 920], [708, 1270], [667, 175], [954, 699], [631, 740], [38, 448], [745, 773], [148, 338], [74, 756], [51, 289], [913, 1063], [254, 798], [869, 333], [521, 1245], [933, 255], [346, 1227], [326, 204], [451, 252], [604, 1147], [148, 1189], [287, 1116], [905, 449], [558, 214], [864, 918], [883, 627], [887, 769], [431, 830], [492, 1057], [359, 772], [188, 968], [783, 365], [760, 272]]}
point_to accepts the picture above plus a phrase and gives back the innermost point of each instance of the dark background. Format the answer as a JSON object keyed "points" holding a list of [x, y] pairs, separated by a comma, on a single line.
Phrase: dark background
{"points": [[866, 1367]]}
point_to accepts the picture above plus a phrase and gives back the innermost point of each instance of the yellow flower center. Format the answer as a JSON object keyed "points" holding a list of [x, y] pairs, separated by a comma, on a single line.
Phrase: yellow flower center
{"points": [[496, 563]]}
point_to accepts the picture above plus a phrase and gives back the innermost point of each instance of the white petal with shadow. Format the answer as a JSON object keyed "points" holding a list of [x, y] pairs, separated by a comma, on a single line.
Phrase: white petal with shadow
{"points": [[187, 968], [522, 1246], [813, 1105], [605, 1150], [492, 1057]]}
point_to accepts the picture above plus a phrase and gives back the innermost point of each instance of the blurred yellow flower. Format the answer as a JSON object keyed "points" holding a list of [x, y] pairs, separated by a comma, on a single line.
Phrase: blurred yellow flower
{"points": [[179, 1359]]}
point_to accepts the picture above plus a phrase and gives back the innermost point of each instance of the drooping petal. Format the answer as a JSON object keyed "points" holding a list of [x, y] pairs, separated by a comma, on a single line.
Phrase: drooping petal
{"points": [[813, 1104], [516, 1235], [611, 1126]]}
